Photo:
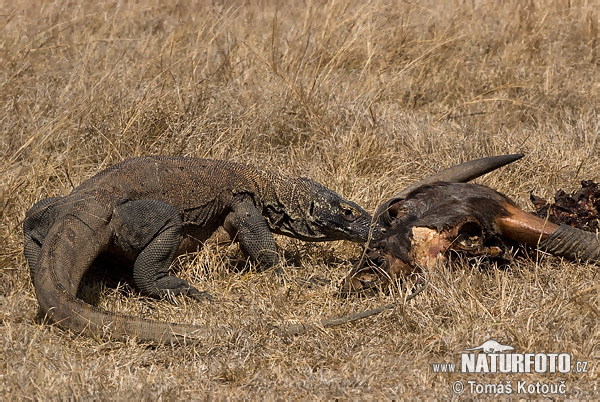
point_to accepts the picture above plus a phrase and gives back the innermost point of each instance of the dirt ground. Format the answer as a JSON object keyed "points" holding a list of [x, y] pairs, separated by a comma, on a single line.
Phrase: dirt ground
{"points": [[364, 97]]}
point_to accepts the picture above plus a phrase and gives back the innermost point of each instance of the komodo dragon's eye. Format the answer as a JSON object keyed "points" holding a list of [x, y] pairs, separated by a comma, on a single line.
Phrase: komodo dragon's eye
{"points": [[349, 212]]}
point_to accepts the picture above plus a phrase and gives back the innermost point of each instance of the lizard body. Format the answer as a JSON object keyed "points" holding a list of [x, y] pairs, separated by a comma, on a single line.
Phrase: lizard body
{"points": [[145, 211]]}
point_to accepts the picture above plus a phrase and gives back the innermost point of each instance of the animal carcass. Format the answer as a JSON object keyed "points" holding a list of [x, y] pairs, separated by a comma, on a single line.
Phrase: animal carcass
{"points": [[442, 215]]}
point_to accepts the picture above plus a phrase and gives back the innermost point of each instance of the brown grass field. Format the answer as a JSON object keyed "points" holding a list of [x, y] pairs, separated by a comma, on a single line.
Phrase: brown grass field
{"points": [[363, 97]]}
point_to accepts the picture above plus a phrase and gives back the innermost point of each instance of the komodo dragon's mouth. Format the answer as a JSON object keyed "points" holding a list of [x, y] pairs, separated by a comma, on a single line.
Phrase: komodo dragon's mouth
{"points": [[327, 223]]}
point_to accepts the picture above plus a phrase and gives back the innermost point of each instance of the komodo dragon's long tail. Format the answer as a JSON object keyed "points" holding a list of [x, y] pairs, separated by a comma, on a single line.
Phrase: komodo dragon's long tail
{"points": [[68, 250]]}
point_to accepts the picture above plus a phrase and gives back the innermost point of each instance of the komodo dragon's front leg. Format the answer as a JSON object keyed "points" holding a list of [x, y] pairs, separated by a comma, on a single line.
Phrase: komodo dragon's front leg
{"points": [[153, 230], [248, 226]]}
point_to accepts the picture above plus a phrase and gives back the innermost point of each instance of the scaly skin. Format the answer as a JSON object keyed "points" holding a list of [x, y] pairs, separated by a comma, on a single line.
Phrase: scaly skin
{"points": [[145, 211]]}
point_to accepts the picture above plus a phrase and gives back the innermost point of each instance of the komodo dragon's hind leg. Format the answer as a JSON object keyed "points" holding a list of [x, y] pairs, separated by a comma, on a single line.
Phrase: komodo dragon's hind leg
{"points": [[154, 229]]}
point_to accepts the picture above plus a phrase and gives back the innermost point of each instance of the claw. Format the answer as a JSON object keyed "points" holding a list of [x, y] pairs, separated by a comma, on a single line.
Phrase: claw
{"points": [[198, 295]]}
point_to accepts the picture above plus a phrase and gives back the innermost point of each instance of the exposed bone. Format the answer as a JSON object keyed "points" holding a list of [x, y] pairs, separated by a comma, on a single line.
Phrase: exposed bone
{"points": [[428, 247], [435, 220], [428, 224], [426, 221]]}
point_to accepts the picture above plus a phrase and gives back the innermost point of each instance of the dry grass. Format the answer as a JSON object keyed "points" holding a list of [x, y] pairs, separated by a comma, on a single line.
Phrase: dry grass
{"points": [[364, 98]]}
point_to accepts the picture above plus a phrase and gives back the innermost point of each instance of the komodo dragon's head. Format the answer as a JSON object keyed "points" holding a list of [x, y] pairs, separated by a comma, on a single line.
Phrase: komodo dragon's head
{"points": [[316, 213]]}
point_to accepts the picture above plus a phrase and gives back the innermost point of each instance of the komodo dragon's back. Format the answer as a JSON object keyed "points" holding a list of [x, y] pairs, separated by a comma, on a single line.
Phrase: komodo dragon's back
{"points": [[145, 211], [185, 182]]}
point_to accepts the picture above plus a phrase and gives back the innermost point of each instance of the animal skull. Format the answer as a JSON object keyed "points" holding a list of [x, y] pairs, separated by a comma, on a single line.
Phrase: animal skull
{"points": [[441, 215]]}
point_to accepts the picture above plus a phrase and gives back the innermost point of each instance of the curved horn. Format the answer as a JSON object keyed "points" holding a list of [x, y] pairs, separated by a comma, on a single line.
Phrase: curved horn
{"points": [[524, 227], [573, 244], [564, 241], [462, 173]]}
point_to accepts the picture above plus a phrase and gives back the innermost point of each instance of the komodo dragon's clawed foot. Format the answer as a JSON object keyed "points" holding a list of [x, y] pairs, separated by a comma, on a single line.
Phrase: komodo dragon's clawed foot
{"points": [[199, 295], [312, 281], [173, 286]]}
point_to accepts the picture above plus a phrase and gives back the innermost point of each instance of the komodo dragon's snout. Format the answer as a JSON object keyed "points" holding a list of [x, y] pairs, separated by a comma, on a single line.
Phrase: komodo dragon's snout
{"points": [[328, 217], [145, 211]]}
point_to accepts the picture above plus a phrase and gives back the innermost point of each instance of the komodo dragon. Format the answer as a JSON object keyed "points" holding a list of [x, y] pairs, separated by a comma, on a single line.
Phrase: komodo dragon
{"points": [[148, 210]]}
